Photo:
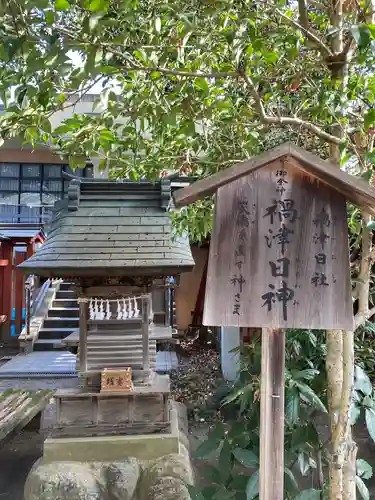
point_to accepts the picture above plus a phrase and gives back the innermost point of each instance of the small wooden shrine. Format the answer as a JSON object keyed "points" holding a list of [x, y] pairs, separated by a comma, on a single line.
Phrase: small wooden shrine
{"points": [[113, 241]]}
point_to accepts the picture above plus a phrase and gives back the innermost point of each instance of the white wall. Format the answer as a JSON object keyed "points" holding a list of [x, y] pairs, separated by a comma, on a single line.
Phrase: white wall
{"points": [[230, 362]]}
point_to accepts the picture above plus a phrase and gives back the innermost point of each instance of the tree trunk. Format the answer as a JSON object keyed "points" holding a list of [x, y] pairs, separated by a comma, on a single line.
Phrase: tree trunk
{"points": [[340, 345], [334, 367]]}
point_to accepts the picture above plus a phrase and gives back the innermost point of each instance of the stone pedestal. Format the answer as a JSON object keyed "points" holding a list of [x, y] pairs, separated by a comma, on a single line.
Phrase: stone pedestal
{"points": [[126, 468]]}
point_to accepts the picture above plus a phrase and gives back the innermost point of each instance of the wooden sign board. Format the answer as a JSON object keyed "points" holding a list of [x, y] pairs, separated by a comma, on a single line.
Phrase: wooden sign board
{"points": [[279, 253], [116, 380]]}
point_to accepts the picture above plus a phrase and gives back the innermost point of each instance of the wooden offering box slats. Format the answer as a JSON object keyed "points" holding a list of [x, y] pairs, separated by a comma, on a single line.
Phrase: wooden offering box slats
{"points": [[90, 414]]}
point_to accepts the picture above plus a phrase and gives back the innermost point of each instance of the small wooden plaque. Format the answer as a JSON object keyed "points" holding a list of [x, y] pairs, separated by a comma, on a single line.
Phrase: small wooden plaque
{"points": [[117, 380]]}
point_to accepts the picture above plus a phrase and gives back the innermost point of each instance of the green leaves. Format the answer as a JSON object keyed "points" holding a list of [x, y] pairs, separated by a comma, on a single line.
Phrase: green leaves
{"points": [[370, 422], [252, 487], [202, 84], [369, 119], [310, 397], [246, 457], [96, 5], [225, 460], [310, 494], [62, 5], [364, 469], [362, 488], [362, 382], [292, 405], [212, 443], [291, 484]]}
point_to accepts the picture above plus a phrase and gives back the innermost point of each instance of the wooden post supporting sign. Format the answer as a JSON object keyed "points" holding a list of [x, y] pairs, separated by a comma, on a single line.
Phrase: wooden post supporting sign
{"points": [[272, 414], [279, 259]]}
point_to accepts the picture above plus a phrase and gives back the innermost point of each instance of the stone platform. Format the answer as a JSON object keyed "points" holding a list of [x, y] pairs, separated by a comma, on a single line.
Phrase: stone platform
{"points": [[150, 467]]}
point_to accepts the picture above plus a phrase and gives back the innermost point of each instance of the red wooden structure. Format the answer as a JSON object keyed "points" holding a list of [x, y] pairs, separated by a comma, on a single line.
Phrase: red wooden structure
{"points": [[17, 243]]}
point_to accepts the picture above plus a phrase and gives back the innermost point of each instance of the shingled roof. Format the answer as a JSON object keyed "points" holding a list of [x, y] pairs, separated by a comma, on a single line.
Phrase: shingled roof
{"points": [[109, 228]]}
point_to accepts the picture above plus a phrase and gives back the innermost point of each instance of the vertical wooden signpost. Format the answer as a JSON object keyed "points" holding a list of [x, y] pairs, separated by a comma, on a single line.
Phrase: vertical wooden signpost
{"points": [[279, 259]]}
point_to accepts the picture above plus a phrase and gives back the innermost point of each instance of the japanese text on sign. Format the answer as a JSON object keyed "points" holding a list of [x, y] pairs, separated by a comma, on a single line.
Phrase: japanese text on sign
{"points": [[283, 213], [237, 279]]}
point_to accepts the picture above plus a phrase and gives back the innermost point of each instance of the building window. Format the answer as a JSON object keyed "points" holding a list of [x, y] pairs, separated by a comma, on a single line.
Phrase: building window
{"points": [[28, 191]]}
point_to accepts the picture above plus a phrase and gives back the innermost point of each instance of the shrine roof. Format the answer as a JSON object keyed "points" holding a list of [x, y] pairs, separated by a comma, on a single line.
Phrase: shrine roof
{"points": [[110, 228], [355, 190], [21, 232]]}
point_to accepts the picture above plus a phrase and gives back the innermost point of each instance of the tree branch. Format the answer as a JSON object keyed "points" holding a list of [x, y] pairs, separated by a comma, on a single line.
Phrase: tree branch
{"points": [[267, 119], [286, 120], [324, 49], [165, 71], [185, 74], [303, 17], [360, 318]]}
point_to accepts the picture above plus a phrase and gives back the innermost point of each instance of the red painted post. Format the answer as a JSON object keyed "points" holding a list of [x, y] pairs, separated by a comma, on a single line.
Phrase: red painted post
{"points": [[30, 250], [6, 269], [20, 289]]}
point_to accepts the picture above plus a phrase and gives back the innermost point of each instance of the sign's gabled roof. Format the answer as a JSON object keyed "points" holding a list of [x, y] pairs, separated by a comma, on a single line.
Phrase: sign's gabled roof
{"points": [[109, 228], [355, 190]]}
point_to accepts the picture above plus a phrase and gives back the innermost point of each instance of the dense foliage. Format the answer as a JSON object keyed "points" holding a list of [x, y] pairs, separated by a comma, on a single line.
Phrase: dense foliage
{"points": [[306, 435]]}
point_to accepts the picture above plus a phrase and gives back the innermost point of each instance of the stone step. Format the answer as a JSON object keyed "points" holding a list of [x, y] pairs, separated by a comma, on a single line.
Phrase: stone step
{"points": [[65, 285], [48, 345], [63, 303], [54, 333], [58, 322], [66, 294], [59, 312]]}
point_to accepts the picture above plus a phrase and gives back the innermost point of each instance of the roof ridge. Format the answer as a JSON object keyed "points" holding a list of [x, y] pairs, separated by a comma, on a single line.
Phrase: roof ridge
{"points": [[74, 194]]}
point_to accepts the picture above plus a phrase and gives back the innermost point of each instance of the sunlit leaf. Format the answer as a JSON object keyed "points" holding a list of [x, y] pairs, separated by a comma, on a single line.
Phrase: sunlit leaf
{"points": [[370, 422], [362, 382], [362, 488], [62, 5], [95, 5], [364, 469]]}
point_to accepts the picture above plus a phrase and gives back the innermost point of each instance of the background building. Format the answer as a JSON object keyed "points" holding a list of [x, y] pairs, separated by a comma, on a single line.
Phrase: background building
{"points": [[31, 181]]}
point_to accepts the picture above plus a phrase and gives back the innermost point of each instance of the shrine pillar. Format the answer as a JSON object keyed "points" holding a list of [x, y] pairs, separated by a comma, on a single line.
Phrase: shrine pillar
{"points": [[6, 267], [230, 361]]}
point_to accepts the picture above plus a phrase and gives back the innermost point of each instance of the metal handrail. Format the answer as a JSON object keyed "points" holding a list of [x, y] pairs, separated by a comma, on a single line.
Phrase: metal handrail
{"points": [[34, 297]]}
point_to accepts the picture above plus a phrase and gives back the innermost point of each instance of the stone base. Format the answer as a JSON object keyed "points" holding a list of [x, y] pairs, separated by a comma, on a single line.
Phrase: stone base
{"points": [[114, 448], [78, 471]]}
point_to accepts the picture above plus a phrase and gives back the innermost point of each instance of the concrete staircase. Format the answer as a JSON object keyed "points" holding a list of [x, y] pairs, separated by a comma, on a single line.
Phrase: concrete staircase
{"points": [[61, 321]]}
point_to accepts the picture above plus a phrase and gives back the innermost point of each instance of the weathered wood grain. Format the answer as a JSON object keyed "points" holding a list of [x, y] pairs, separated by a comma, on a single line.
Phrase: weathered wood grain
{"points": [[106, 412], [18, 408], [355, 190], [319, 293], [271, 473], [83, 330]]}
